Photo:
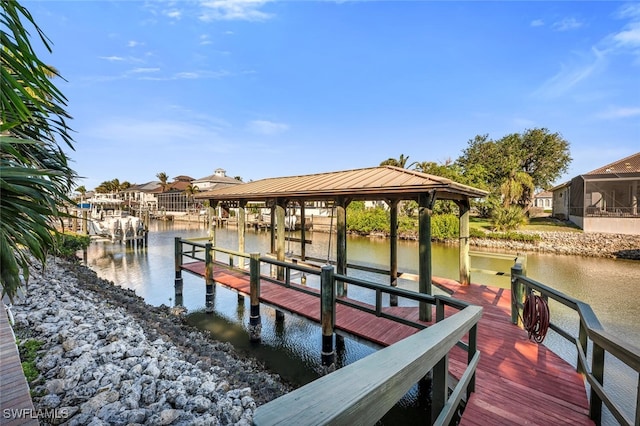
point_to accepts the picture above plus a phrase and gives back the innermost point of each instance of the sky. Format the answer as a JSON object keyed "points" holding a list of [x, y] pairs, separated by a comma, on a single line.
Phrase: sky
{"points": [[279, 88]]}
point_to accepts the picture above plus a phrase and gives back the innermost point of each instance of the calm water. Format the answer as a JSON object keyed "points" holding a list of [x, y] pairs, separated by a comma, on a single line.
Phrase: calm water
{"points": [[292, 349]]}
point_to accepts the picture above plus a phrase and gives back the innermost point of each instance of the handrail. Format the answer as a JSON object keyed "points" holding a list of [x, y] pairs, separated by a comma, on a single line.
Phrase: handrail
{"points": [[590, 329], [362, 392], [443, 406]]}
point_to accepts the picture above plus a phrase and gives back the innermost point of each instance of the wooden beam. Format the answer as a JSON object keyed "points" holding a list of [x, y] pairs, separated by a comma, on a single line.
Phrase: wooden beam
{"points": [[242, 216], [425, 271], [393, 249], [341, 244], [464, 208], [280, 240]]}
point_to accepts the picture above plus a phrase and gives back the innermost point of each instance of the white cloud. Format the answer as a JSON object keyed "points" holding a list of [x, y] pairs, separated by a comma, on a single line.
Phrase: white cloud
{"points": [[630, 36], [620, 112], [112, 58], [537, 23], [144, 70], [204, 39], [173, 13], [567, 24], [133, 43], [571, 75], [234, 10], [266, 127]]}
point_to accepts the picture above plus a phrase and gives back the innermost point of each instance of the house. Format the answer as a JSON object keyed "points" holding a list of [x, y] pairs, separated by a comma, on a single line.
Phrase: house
{"points": [[142, 196], [603, 200], [175, 199], [543, 200], [217, 180]]}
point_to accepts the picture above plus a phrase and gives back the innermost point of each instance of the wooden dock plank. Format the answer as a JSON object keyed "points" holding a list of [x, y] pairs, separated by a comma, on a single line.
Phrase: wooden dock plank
{"points": [[517, 381], [16, 407]]}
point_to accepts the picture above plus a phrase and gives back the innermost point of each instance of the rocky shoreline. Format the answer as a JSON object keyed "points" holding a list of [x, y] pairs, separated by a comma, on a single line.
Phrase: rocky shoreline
{"points": [[616, 246], [111, 359]]}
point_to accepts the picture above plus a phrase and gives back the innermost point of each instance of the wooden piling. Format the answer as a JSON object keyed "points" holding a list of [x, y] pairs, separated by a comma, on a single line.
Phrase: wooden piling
{"points": [[341, 244], [393, 249], [208, 277], [178, 283], [255, 324], [327, 317], [517, 290]]}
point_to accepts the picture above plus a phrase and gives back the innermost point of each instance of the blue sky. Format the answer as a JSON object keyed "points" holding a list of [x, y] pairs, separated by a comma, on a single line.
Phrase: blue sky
{"points": [[269, 88]]}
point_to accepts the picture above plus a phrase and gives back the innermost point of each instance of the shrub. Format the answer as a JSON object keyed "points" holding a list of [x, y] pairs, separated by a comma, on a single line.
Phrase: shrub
{"points": [[444, 226], [67, 244], [508, 218]]}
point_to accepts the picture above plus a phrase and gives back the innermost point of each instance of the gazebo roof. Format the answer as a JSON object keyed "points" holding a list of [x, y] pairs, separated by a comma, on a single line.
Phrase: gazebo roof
{"points": [[374, 183]]}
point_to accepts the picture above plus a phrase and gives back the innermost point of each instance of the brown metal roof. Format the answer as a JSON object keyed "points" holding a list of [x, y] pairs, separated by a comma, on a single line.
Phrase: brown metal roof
{"points": [[630, 164], [373, 183]]}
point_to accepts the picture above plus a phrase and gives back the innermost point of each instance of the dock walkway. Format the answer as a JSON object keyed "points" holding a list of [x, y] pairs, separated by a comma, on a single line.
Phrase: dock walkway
{"points": [[517, 381], [16, 407]]}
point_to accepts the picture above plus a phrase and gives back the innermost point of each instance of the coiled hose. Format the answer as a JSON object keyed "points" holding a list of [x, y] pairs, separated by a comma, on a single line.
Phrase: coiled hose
{"points": [[535, 317]]}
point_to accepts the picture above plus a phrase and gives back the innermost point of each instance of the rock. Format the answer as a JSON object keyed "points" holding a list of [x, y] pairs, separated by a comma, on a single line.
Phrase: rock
{"points": [[109, 358]]}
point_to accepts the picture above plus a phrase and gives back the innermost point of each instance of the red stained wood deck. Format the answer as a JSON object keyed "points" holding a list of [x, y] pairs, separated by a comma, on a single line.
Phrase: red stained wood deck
{"points": [[16, 407], [517, 381]]}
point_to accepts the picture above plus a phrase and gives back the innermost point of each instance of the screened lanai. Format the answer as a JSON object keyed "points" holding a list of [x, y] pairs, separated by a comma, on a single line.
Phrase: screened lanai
{"points": [[385, 183]]}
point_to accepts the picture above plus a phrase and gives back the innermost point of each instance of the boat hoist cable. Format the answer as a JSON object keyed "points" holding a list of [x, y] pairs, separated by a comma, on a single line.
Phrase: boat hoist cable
{"points": [[535, 317]]}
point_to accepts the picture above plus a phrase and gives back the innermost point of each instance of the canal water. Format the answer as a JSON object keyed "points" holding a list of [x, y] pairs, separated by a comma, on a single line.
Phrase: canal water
{"points": [[292, 349]]}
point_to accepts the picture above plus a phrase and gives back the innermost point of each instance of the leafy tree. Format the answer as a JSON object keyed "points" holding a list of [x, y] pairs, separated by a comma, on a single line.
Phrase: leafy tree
{"points": [[538, 153], [35, 176]]}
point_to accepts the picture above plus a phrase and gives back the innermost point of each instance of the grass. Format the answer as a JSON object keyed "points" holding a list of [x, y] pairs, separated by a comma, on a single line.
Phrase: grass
{"points": [[28, 353], [542, 224]]}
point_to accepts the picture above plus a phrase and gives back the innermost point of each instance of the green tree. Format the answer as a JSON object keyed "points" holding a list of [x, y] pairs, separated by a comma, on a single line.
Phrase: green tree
{"points": [[399, 162], [542, 155], [81, 190], [35, 176], [190, 191], [163, 178]]}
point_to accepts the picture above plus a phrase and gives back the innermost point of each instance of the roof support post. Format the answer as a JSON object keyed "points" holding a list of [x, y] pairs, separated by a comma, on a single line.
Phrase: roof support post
{"points": [[393, 249], [303, 232], [272, 225], [280, 242], [211, 212], [242, 216], [341, 244], [463, 248], [425, 206]]}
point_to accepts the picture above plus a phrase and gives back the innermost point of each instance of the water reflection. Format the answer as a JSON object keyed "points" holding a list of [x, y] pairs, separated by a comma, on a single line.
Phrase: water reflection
{"points": [[292, 348]]}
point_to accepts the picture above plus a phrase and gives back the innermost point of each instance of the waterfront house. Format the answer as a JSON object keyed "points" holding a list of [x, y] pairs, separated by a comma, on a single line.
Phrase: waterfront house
{"points": [[174, 199], [142, 196], [603, 200], [217, 180]]}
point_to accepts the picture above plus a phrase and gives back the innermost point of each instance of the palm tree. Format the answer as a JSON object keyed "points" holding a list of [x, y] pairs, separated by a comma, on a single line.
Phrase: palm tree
{"points": [[35, 176], [399, 162], [190, 191], [163, 178]]}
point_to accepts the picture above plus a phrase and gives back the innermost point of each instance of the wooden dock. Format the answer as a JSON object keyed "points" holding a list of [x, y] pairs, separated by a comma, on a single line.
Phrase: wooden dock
{"points": [[517, 381], [16, 407]]}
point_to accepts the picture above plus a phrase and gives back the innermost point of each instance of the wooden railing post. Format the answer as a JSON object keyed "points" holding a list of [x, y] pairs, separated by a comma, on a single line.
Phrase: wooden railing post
{"points": [[327, 317], [208, 278], [177, 284], [439, 387], [517, 292], [255, 323], [597, 370]]}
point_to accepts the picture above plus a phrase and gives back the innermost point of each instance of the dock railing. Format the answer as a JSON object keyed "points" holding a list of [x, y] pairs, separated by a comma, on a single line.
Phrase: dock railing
{"points": [[592, 338], [362, 392], [377, 387]]}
